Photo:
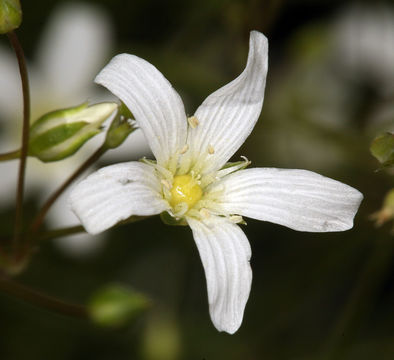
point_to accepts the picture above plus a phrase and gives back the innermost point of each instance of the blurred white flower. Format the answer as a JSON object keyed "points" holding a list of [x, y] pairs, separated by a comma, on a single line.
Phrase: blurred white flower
{"points": [[74, 46], [364, 41], [193, 182]]}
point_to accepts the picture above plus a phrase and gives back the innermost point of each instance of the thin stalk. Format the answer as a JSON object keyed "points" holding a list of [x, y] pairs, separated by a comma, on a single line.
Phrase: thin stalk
{"points": [[38, 220], [12, 155], [37, 298], [25, 135], [55, 233], [52, 234]]}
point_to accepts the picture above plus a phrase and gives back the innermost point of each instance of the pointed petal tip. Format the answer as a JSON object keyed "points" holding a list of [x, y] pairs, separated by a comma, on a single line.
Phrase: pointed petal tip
{"points": [[229, 327], [155, 104]]}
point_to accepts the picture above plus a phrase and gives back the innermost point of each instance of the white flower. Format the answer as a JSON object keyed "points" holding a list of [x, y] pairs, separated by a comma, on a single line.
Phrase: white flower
{"points": [[193, 182], [364, 44]]}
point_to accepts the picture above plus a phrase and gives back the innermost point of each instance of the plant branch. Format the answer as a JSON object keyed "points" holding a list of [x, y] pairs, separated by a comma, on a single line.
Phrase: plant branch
{"points": [[37, 298], [25, 134], [12, 155], [51, 234], [38, 220]]}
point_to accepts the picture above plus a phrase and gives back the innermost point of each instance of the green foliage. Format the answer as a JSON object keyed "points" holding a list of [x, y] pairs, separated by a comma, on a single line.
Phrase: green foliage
{"points": [[10, 15], [383, 149], [386, 213], [116, 306]]}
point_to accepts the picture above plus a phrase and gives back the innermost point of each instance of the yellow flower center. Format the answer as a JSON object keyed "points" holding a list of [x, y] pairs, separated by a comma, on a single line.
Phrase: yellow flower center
{"points": [[185, 189]]}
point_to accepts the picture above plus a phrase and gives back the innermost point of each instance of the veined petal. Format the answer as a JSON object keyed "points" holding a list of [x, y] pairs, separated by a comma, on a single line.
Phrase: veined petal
{"points": [[73, 48], [299, 199], [115, 193], [225, 254], [227, 116], [156, 106]]}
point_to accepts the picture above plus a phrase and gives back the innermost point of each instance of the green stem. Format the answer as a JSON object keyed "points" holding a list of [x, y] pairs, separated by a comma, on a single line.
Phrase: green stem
{"points": [[37, 298], [38, 220], [52, 234], [12, 155], [25, 135]]}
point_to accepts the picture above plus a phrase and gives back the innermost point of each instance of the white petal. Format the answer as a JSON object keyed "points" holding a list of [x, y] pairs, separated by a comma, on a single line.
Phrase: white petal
{"points": [[299, 199], [77, 245], [227, 117], [155, 104], [75, 45], [116, 192], [225, 254]]}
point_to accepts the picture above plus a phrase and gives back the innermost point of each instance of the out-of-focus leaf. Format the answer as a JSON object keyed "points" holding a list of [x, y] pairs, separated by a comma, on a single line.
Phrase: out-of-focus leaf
{"points": [[386, 213], [383, 149], [116, 306]]}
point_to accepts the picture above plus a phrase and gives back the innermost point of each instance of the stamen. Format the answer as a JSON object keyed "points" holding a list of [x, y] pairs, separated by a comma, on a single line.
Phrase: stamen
{"points": [[193, 121], [236, 219], [246, 160], [205, 213], [184, 149], [211, 150], [166, 183]]}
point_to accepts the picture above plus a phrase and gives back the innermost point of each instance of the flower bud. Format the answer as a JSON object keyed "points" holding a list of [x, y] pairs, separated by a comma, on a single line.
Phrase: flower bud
{"points": [[115, 306], [59, 134], [121, 127], [10, 15]]}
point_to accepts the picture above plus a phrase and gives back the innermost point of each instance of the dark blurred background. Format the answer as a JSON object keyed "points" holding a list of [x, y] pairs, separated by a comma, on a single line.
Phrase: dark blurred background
{"points": [[330, 91]]}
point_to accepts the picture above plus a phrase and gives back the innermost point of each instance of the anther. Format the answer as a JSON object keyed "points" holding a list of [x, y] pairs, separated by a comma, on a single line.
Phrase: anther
{"points": [[193, 121], [211, 150], [166, 184], [184, 149], [205, 213], [237, 219]]}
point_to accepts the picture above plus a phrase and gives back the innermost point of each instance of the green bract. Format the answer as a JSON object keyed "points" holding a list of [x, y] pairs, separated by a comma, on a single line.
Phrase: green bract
{"points": [[10, 15], [115, 306], [61, 133]]}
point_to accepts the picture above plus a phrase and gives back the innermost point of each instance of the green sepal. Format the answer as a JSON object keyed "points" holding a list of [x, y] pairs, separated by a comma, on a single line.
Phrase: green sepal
{"points": [[382, 148], [116, 306], [121, 127], [44, 146], [170, 220], [10, 15]]}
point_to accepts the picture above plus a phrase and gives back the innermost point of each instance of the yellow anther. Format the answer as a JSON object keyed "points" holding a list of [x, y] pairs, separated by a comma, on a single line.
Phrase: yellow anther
{"points": [[205, 213], [185, 189], [166, 183], [237, 219], [184, 149], [211, 150], [193, 121]]}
